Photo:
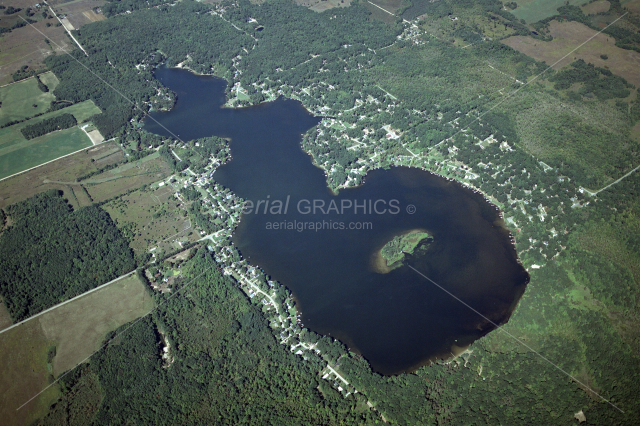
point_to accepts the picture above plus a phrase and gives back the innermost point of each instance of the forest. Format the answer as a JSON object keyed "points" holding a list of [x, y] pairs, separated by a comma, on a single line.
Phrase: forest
{"points": [[596, 81], [225, 367], [50, 253], [48, 125], [228, 367]]}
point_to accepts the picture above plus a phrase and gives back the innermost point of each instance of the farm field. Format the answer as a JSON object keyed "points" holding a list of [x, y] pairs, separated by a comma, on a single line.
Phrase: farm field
{"points": [[80, 12], [67, 169], [25, 46], [632, 5], [320, 5], [155, 218], [40, 150], [24, 373], [76, 330], [536, 10], [389, 5], [18, 154], [18, 99], [567, 35], [127, 177]]}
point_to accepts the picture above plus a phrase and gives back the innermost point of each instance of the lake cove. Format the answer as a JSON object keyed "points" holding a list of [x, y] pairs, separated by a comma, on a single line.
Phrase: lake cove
{"points": [[325, 247]]}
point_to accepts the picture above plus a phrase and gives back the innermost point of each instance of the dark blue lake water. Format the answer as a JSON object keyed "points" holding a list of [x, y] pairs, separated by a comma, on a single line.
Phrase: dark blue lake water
{"points": [[396, 320]]}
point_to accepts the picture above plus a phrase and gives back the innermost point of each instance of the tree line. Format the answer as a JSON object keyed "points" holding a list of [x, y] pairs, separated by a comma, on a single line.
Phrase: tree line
{"points": [[227, 367], [48, 125]]}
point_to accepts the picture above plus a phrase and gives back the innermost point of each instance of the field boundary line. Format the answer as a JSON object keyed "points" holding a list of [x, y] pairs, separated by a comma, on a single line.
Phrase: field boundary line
{"points": [[65, 28], [67, 301], [132, 324], [50, 161]]}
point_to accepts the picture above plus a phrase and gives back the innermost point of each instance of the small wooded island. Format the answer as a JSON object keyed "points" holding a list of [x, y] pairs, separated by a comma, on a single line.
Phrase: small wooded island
{"points": [[395, 250]]}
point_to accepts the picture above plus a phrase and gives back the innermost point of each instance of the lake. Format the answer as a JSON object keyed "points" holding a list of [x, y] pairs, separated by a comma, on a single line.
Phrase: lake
{"points": [[397, 320]]}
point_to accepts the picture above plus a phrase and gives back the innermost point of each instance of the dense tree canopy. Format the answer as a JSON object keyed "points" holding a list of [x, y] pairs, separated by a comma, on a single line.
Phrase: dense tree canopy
{"points": [[48, 125], [51, 253]]}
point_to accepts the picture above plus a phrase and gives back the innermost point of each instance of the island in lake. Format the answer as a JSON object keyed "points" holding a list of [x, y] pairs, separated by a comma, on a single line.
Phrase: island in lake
{"points": [[393, 253], [397, 320]]}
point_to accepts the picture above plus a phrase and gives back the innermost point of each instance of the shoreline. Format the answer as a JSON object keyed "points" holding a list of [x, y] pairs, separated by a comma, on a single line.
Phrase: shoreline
{"points": [[379, 264]]}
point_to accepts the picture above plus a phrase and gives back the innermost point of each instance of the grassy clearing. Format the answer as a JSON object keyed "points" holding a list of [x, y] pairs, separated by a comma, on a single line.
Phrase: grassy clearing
{"points": [[23, 373], [79, 328], [130, 176], [18, 100], [50, 80], [535, 10], [568, 35], [68, 169], [596, 7], [153, 218]]}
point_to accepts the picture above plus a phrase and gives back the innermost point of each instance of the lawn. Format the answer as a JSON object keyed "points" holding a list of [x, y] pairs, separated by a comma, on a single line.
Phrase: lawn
{"points": [[18, 99], [536, 10]]}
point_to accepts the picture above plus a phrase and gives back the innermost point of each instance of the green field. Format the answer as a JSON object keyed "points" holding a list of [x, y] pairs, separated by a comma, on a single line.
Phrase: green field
{"points": [[18, 154], [18, 99], [50, 80], [24, 373], [536, 10], [42, 149]]}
